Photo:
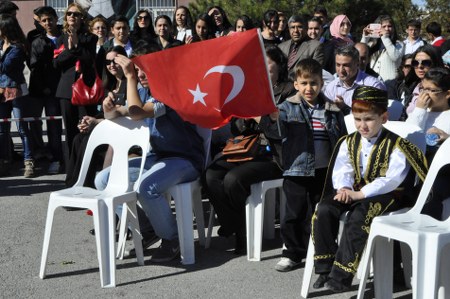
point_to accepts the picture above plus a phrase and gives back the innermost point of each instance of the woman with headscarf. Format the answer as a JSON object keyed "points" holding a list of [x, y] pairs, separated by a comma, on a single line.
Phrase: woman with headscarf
{"points": [[340, 36]]}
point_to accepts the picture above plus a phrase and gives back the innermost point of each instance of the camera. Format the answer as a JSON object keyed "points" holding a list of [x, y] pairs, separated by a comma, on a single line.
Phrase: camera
{"points": [[119, 99]]}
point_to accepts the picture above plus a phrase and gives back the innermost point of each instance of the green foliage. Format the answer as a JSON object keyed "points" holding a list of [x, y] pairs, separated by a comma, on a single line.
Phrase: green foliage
{"points": [[438, 11], [360, 12]]}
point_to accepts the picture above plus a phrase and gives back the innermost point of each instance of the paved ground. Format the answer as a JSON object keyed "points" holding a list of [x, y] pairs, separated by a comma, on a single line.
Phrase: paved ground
{"points": [[73, 268]]}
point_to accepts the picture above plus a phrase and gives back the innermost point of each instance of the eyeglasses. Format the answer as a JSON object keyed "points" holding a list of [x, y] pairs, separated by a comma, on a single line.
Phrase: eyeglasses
{"points": [[108, 62], [407, 66], [99, 28], [424, 63], [433, 91], [74, 13], [140, 18]]}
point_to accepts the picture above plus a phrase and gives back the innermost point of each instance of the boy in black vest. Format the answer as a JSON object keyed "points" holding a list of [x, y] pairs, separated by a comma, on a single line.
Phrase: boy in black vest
{"points": [[370, 168]]}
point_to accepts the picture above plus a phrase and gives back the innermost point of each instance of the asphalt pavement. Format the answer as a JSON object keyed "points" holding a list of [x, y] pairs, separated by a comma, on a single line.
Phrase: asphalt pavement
{"points": [[72, 268]]}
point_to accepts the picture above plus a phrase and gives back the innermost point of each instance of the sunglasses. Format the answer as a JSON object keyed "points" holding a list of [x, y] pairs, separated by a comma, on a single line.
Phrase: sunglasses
{"points": [[433, 91], [74, 13], [407, 66], [424, 63], [143, 18], [108, 62]]}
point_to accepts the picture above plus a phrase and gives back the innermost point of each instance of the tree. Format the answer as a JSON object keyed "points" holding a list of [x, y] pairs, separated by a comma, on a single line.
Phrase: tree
{"points": [[360, 12], [438, 11]]}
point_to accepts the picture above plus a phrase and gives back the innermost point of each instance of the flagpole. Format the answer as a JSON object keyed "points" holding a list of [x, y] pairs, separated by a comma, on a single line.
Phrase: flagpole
{"points": [[261, 43]]}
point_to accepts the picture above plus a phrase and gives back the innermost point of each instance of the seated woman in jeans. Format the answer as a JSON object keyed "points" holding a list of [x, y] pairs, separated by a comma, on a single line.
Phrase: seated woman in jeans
{"points": [[177, 156]]}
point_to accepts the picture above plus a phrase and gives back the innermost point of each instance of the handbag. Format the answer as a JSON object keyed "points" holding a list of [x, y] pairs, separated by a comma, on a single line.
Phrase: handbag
{"points": [[241, 148], [83, 94], [9, 93]]}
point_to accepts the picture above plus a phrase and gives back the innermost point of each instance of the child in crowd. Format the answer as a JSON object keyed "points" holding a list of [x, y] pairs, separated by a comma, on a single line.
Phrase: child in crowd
{"points": [[311, 125], [368, 168]]}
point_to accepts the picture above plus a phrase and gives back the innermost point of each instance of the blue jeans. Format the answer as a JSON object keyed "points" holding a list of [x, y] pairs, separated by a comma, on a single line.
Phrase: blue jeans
{"points": [[16, 106], [159, 175]]}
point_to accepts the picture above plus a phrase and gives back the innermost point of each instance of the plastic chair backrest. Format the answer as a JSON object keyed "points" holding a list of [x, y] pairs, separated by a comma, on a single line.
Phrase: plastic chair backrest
{"points": [[441, 159], [206, 136], [395, 109], [411, 132], [408, 131], [121, 134]]}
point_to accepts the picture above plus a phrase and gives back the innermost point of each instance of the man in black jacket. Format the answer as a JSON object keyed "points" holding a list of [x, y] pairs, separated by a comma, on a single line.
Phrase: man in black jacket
{"points": [[44, 80]]}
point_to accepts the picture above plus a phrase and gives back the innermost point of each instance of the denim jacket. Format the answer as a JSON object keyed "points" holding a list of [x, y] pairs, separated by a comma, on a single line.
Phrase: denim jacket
{"points": [[12, 64], [298, 153]]}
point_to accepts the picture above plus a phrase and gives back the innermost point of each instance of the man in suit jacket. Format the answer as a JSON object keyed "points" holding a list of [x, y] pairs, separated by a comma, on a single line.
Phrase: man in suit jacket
{"points": [[300, 46]]}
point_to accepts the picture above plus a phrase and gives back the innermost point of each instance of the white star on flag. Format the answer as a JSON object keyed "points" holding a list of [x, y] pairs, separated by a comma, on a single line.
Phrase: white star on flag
{"points": [[198, 95]]}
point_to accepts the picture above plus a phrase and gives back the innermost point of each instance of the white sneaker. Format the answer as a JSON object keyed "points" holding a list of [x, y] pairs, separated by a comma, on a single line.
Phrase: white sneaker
{"points": [[286, 264], [54, 167]]}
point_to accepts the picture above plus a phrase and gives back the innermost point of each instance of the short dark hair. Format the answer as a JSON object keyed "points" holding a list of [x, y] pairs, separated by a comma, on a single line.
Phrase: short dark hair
{"points": [[434, 28], [316, 19], [119, 18], [45, 10], [143, 47], [414, 23], [440, 77], [307, 67], [348, 50], [320, 9]]}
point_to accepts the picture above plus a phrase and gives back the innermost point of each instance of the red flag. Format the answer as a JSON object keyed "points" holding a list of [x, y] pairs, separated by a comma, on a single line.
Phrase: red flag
{"points": [[209, 82]]}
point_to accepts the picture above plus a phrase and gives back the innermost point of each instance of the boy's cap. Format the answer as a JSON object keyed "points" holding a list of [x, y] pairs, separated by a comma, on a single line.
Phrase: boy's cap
{"points": [[370, 94]]}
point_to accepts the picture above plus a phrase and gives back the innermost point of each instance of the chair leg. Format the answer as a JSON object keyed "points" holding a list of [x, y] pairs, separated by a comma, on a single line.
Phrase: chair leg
{"points": [[210, 226], [308, 272], [199, 216], [383, 259], [183, 207], [365, 266], [269, 214], [254, 213], [48, 230], [133, 224], [102, 240], [122, 232]]}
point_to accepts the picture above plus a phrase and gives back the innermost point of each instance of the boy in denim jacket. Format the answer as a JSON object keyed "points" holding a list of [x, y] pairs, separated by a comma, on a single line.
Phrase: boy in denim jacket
{"points": [[310, 126]]}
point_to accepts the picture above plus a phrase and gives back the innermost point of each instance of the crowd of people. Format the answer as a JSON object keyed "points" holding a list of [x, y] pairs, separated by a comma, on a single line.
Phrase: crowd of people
{"points": [[319, 74]]}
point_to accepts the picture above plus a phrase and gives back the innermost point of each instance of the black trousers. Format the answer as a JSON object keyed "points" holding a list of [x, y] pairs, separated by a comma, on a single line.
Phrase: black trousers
{"points": [[228, 186], [302, 195], [71, 116], [342, 260]]}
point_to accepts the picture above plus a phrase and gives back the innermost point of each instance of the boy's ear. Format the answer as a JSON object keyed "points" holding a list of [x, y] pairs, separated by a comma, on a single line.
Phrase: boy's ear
{"points": [[385, 117], [296, 85]]}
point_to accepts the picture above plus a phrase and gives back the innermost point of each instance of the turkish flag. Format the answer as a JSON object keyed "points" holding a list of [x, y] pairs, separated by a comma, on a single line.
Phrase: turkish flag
{"points": [[211, 81]]}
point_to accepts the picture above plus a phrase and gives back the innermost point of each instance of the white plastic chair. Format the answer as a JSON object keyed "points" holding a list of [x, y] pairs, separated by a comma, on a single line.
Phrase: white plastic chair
{"points": [[256, 213], [412, 133], [121, 134], [188, 199], [428, 239]]}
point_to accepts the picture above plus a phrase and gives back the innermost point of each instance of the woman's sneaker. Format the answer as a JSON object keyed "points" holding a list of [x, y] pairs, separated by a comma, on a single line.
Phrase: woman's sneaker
{"points": [[29, 169], [167, 251], [146, 243]]}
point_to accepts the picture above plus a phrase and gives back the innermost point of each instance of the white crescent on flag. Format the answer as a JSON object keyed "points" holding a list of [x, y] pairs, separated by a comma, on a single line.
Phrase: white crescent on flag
{"points": [[238, 78]]}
